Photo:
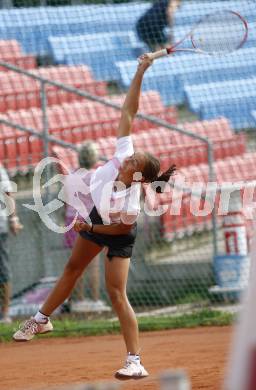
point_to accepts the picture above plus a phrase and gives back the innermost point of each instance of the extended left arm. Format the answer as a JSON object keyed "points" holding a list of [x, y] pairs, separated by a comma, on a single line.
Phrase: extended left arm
{"points": [[115, 229], [131, 103]]}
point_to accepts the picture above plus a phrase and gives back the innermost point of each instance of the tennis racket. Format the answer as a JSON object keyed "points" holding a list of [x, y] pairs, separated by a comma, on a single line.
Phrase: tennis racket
{"points": [[220, 32]]}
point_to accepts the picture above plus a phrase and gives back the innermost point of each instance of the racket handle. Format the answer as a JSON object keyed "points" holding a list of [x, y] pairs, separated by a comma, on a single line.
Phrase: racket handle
{"points": [[158, 54]]}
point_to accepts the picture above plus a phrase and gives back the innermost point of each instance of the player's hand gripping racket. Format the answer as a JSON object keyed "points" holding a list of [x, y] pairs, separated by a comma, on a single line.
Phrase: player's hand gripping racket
{"points": [[217, 33]]}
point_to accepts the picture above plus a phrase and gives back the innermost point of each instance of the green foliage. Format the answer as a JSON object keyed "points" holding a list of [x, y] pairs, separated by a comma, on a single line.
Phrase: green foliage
{"points": [[76, 328]]}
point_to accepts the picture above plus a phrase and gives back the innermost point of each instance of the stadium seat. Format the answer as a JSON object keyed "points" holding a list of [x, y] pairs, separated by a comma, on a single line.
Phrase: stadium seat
{"points": [[170, 76], [68, 157], [98, 51], [232, 99], [253, 113], [18, 91], [32, 26], [11, 53], [232, 169], [77, 121], [190, 13]]}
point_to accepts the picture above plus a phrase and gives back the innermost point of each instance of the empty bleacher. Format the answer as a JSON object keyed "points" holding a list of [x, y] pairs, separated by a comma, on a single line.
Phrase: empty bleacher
{"points": [[233, 99], [191, 12], [73, 122], [99, 51], [11, 52], [33, 26], [170, 76], [17, 91]]}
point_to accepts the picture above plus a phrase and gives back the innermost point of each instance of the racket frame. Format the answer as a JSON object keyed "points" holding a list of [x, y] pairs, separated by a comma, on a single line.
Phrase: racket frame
{"points": [[172, 49]]}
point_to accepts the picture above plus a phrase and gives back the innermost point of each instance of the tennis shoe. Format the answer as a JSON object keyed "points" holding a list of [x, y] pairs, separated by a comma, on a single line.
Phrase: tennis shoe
{"points": [[30, 328], [5, 320], [132, 370]]}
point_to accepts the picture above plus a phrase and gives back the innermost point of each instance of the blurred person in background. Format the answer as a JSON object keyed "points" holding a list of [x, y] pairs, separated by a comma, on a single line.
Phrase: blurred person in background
{"points": [[151, 26], [88, 158], [7, 224]]}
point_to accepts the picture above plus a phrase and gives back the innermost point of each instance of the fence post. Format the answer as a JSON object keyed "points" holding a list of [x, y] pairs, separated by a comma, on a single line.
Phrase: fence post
{"points": [[45, 127], [47, 261], [212, 178]]}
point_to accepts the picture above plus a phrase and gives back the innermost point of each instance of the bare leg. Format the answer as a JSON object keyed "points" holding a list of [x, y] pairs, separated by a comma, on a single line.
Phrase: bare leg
{"points": [[94, 278], [116, 274], [78, 292], [83, 252]]}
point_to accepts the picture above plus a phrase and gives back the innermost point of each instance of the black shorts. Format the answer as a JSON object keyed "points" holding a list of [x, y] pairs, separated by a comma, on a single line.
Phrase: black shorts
{"points": [[120, 246]]}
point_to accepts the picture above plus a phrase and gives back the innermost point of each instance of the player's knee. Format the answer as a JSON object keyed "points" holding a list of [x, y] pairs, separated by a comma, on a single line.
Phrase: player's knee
{"points": [[73, 269], [118, 297]]}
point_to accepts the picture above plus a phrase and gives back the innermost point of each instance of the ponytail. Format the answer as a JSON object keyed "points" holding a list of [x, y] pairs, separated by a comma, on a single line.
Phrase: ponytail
{"points": [[151, 171], [164, 177]]}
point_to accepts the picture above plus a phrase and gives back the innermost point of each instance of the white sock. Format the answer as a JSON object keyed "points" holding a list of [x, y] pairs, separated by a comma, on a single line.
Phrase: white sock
{"points": [[41, 318], [133, 358]]}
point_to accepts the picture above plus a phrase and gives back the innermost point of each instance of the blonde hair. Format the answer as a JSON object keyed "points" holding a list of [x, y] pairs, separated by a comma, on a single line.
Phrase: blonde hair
{"points": [[88, 154]]}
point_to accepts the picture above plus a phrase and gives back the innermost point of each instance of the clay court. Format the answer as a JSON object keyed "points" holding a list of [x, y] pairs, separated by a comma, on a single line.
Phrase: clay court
{"points": [[43, 363]]}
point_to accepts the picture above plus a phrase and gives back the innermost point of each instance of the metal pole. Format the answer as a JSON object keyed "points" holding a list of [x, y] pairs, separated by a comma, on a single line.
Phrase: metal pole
{"points": [[45, 127], [29, 130], [212, 178], [47, 260]]}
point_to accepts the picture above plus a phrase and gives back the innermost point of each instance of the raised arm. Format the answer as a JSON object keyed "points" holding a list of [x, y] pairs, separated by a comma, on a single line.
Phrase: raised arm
{"points": [[131, 103]]}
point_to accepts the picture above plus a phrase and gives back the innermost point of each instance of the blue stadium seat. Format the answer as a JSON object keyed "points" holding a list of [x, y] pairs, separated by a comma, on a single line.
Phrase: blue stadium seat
{"points": [[233, 99], [190, 12], [207, 69], [99, 51], [159, 77], [32, 26], [169, 76], [179, 32], [254, 116]]}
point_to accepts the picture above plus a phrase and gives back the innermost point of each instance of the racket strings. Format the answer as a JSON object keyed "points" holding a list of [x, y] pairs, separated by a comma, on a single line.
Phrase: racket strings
{"points": [[221, 32]]}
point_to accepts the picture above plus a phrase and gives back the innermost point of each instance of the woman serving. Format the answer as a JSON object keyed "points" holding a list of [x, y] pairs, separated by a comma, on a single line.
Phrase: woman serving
{"points": [[112, 225]]}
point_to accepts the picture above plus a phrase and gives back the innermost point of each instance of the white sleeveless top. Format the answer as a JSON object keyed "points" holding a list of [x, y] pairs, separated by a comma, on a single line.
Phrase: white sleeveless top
{"points": [[115, 206]]}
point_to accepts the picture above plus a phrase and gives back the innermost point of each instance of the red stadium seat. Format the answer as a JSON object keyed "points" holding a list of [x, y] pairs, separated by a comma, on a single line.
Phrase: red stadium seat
{"points": [[68, 157], [18, 91]]}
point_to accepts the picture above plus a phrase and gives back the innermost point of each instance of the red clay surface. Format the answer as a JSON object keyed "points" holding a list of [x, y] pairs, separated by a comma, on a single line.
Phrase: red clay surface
{"points": [[202, 352]]}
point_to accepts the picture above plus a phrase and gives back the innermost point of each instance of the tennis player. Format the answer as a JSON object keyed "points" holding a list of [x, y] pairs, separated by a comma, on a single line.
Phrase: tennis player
{"points": [[118, 234]]}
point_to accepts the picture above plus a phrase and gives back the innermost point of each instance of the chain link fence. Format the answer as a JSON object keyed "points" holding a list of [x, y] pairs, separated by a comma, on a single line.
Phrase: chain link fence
{"points": [[75, 65]]}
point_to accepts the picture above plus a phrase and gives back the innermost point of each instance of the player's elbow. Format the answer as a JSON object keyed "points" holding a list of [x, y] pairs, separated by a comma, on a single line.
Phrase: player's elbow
{"points": [[129, 113]]}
